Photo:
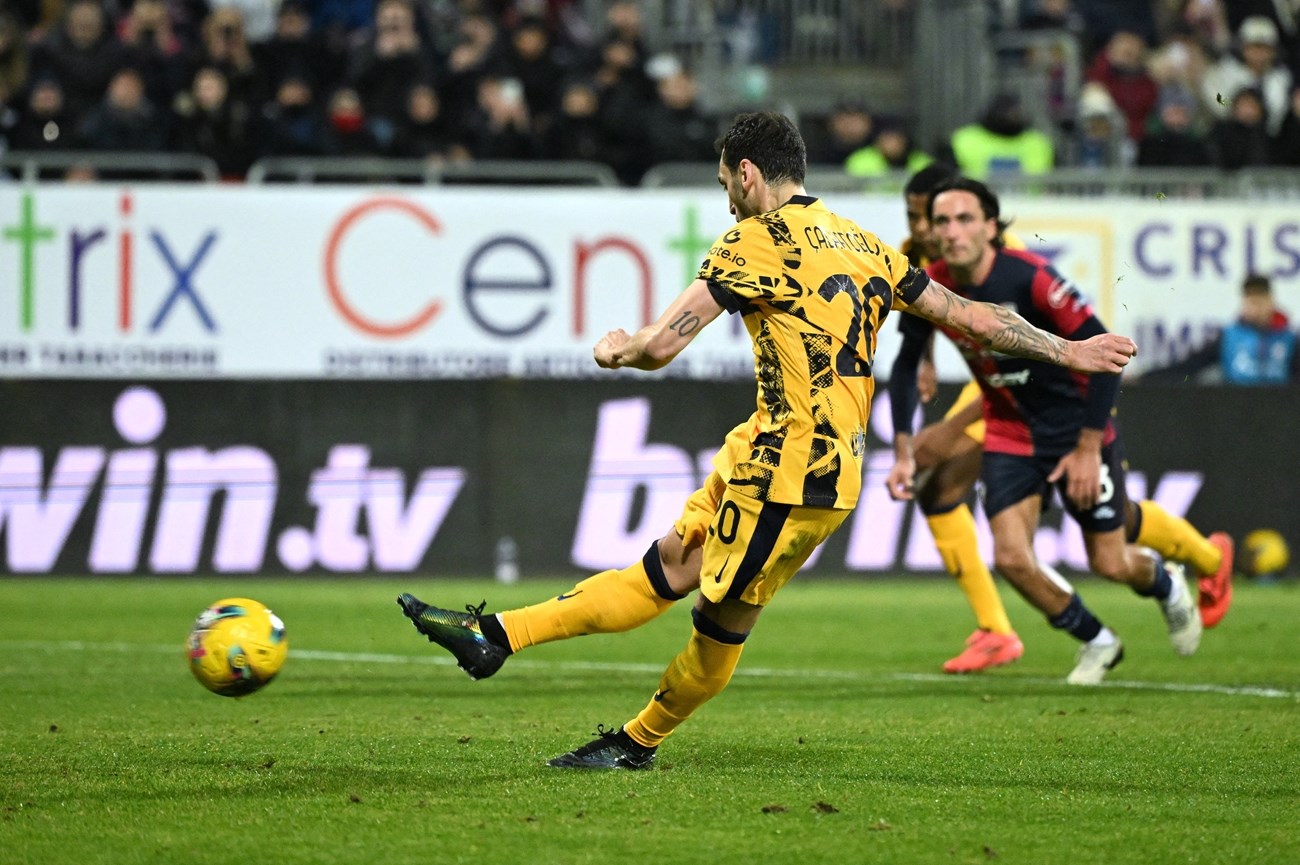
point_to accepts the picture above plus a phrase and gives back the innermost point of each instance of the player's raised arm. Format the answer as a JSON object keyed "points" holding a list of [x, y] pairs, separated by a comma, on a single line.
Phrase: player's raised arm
{"points": [[655, 346], [1002, 330]]}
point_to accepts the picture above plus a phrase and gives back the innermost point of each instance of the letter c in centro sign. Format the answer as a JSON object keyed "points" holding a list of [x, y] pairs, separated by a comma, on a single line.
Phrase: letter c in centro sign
{"points": [[345, 307]]}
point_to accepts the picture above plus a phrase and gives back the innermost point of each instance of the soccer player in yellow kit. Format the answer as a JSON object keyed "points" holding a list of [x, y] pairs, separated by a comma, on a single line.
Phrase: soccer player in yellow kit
{"points": [[813, 289]]}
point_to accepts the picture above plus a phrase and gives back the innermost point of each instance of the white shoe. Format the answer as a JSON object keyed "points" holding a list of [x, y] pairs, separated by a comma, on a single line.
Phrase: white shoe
{"points": [[1094, 662], [1181, 614]]}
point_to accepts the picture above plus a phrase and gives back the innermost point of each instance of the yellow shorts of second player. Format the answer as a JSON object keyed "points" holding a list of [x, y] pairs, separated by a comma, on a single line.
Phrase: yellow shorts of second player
{"points": [[751, 548], [968, 395]]}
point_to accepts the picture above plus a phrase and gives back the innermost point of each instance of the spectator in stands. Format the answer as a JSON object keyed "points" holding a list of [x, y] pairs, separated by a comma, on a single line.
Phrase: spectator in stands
{"points": [[502, 127], [42, 124], [1205, 21], [477, 50], [291, 123], [1241, 140], [424, 132], [159, 54], [1173, 139], [13, 60], [386, 65], [81, 54], [1285, 15], [1257, 68], [677, 129], [625, 93], [125, 120], [892, 151], [225, 47], [1099, 138], [1286, 145], [1121, 69], [347, 128], [294, 50], [577, 132], [1002, 142], [1259, 348], [530, 59], [623, 23], [1182, 60], [847, 129], [213, 124]]}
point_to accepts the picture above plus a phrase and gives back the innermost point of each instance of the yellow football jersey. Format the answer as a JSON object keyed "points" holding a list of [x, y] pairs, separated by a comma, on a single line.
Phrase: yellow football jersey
{"points": [[813, 289]]}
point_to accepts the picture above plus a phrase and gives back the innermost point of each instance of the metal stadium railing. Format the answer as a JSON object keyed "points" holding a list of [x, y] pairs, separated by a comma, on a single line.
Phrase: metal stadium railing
{"points": [[31, 166], [1180, 183], [1177, 183], [1254, 184], [677, 175], [483, 173]]}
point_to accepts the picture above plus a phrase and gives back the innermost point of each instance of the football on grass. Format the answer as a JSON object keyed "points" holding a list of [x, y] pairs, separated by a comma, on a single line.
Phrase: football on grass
{"points": [[236, 646]]}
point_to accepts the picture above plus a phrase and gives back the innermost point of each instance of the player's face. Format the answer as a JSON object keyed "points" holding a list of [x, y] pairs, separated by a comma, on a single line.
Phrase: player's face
{"points": [[737, 198], [963, 232], [918, 225]]}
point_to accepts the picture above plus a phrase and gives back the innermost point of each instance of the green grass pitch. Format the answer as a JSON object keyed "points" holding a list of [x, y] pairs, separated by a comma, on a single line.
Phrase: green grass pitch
{"points": [[838, 741]]}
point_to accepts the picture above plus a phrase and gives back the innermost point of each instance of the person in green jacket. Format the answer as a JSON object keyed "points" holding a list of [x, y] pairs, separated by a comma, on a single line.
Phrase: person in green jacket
{"points": [[893, 151], [1002, 142]]}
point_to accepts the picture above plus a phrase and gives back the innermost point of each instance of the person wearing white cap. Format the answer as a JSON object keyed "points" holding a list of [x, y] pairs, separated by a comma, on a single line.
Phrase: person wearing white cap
{"points": [[1257, 40]]}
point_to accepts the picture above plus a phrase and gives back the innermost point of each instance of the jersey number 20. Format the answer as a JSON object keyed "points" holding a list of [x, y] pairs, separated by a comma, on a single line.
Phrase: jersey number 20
{"points": [[866, 311]]}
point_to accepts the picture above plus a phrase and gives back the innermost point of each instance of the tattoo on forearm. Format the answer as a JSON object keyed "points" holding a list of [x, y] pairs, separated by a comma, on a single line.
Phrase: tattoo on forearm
{"points": [[686, 324], [1020, 338], [1015, 336]]}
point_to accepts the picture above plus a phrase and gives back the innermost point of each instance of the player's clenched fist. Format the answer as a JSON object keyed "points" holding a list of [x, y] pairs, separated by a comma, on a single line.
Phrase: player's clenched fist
{"points": [[606, 351], [1105, 352]]}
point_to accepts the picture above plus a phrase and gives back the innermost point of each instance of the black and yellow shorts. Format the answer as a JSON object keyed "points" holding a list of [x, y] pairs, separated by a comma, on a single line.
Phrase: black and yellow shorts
{"points": [[751, 548]]}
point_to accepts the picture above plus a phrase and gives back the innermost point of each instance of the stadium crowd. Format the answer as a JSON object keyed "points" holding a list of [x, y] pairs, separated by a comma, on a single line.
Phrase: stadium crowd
{"points": [[406, 78], [1169, 83]]}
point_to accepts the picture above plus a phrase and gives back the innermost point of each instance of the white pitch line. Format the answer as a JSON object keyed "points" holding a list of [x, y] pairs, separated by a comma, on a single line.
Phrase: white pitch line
{"points": [[617, 667]]}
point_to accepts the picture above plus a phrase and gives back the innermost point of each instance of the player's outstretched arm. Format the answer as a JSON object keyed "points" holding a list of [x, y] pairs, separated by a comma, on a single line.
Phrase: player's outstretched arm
{"points": [[1003, 330], [655, 345]]}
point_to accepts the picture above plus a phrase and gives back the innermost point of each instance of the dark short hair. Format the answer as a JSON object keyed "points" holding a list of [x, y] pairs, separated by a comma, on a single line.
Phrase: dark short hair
{"points": [[1256, 283], [925, 180], [988, 200], [768, 139]]}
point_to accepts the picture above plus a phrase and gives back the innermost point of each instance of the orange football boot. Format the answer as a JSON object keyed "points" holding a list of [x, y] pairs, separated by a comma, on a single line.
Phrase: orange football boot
{"points": [[985, 649], [1216, 588]]}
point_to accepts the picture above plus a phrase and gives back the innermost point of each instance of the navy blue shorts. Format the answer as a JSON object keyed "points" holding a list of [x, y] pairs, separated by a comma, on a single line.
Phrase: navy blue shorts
{"points": [[1008, 479]]}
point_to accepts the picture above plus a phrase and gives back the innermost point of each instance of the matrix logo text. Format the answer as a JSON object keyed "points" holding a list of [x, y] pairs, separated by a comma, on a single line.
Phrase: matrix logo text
{"points": [[98, 255]]}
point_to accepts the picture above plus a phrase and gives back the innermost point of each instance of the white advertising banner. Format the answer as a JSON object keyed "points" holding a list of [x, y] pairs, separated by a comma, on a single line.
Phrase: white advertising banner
{"points": [[159, 281]]}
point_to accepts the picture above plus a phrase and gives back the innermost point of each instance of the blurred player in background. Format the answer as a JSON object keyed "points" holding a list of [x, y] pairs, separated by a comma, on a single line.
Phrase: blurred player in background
{"points": [[948, 456], [1045, 426], [813, 290]]}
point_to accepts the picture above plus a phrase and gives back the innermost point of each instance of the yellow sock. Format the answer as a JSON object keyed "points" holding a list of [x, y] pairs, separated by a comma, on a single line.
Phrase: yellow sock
{"points": [[610, 601], [954, 535], [1175, 538], [694, 677]]}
